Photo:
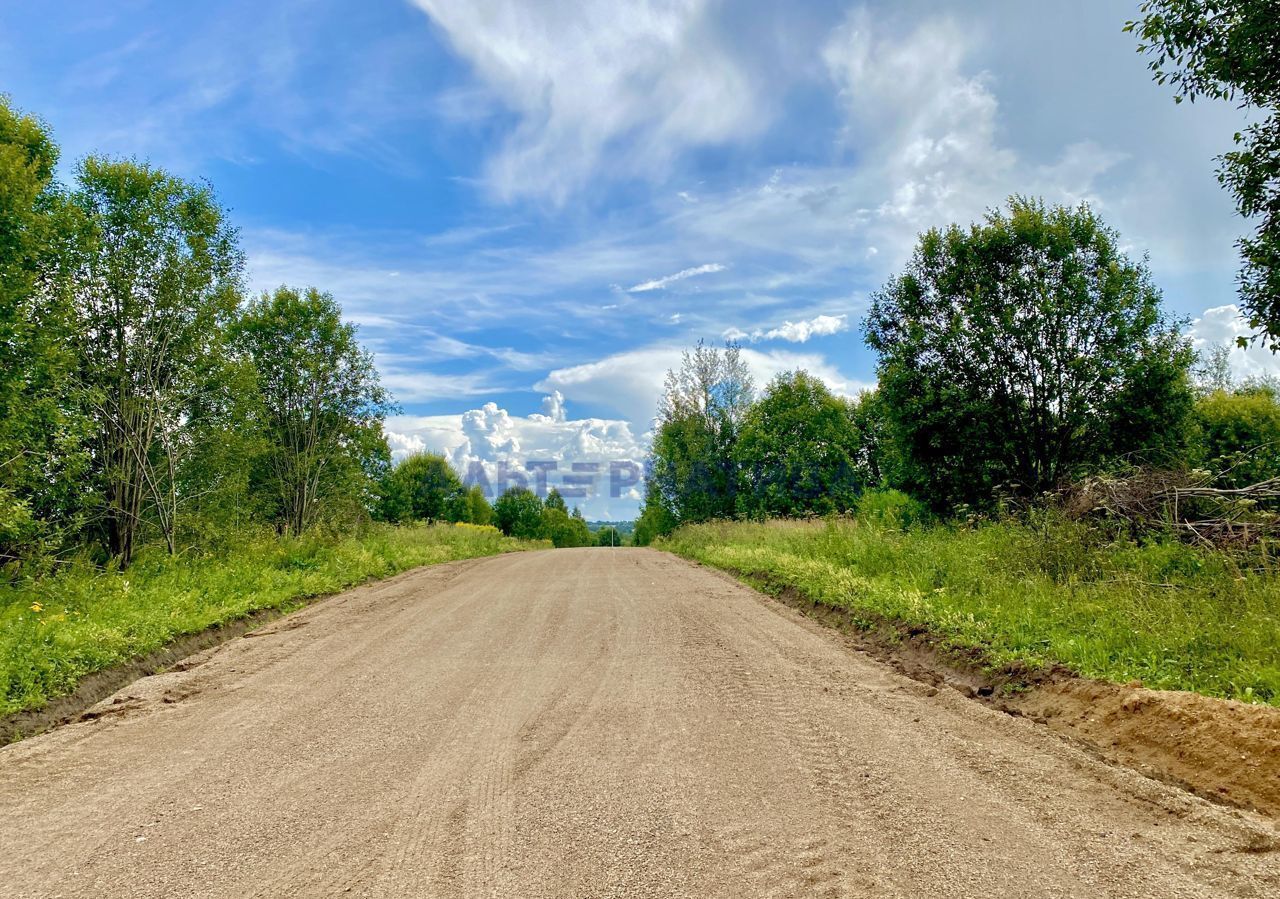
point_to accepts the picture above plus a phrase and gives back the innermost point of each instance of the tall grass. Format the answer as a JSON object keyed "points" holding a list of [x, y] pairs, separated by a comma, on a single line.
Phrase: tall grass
{"points": [[1170, 615], [55, 631]]}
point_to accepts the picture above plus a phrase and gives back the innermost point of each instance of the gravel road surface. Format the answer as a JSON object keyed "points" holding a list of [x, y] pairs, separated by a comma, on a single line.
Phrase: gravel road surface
{"points": [[577, 723]]}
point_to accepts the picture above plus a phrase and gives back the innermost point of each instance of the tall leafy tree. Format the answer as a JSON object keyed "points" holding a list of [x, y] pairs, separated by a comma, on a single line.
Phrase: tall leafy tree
{"points": [[565, 529], [321, 404], [518, 513], [350, 496], [1023, 349], [797, 451], [877, 458], [1230, 50], [156, 284], [1212, 370], [702, 408], [423, 487], [555, 501], [43, 458], [477, 507], [656, 519], [223, 447]]}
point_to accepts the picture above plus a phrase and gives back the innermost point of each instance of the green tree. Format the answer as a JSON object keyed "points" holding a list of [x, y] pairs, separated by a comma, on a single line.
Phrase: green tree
{"points": [[352, 495], [655, 519], [156, 285], [797, 451], [1238, 435], [1212, 371], [216, 468], [43, 456], [1022, 351], [423, 487], [1230, 50], [518, 513], [555, 501], [703, 405], [878, 457], [564, 529], [610, 536], [320, 406], [477, 505]]}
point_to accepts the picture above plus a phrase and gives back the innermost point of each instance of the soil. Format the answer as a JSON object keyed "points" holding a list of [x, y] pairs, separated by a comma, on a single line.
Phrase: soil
{"points": [[95, 687], [1225, 751], [595, 722]]}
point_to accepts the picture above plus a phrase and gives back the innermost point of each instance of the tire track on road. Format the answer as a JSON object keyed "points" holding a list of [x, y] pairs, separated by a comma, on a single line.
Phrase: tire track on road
{"points": [[596, 722]]}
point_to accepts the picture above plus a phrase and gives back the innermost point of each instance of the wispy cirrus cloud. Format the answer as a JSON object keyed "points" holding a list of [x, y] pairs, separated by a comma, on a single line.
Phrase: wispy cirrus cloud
{"points": [[410, 385], [661, 283], [600, 85], [191, 85]]}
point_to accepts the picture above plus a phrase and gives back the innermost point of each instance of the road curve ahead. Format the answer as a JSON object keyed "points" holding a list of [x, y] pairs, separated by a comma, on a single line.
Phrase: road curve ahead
{"points": [[578, 723]]}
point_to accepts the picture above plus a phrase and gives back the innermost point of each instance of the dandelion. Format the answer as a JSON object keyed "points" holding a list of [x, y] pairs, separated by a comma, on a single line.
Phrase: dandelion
{"points": [[37, 607]]}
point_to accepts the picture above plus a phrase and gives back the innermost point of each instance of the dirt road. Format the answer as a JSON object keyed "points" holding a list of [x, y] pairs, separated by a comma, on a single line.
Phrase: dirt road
{"points": [[584, 723]]}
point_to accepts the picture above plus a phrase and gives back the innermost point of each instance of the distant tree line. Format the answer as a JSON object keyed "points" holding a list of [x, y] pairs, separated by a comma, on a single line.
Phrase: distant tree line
{"points": [[519, 513], [425, 487], [143, 396], [1015, 356]]}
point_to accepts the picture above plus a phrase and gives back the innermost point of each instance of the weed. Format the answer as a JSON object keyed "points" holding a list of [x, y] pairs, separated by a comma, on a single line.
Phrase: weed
{"points": [[56, 630], [1169, 615]]}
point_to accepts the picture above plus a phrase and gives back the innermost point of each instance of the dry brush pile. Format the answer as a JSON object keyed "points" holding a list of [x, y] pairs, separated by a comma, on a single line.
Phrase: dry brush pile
{"points": [[1183, 500]]}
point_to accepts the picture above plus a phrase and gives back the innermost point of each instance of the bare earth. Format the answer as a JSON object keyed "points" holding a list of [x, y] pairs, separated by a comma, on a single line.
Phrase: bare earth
{"points": [[584, 723]]}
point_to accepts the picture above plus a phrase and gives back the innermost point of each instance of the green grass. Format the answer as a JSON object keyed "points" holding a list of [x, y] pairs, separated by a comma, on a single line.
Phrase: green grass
{"points": [[55, 631], [1164, 613]]}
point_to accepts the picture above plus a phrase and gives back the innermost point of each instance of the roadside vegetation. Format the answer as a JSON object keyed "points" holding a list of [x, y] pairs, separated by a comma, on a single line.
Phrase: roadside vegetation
{"points": [[1047, 472], [167, 438], [56, 630], [519, 513], [1170, 615]]}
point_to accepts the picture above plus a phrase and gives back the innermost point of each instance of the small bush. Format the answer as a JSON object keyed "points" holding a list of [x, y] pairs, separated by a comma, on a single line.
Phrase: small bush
{"points": [[890, 508]]}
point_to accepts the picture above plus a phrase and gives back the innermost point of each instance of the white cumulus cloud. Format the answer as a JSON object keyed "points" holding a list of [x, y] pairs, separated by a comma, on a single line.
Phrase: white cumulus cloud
{"points": [[553, 409], [794, 332], [404, 444], [1220, 326], [492, 447], [631, 382]]}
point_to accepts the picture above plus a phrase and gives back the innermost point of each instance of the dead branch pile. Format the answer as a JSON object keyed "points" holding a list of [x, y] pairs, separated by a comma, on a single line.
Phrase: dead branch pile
{"points": [[1184, 500]]}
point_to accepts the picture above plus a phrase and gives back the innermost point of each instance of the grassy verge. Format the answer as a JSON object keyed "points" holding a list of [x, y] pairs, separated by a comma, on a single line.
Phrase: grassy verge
{"points": [[1169, 615], [56, 631]]}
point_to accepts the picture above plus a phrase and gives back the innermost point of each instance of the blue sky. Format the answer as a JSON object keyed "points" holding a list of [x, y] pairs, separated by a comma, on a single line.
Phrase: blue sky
{"points": [[531, 208]]}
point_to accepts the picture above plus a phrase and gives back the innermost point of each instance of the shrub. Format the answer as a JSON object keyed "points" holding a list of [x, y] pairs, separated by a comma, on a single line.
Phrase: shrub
{"points": [[890, 508]]}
